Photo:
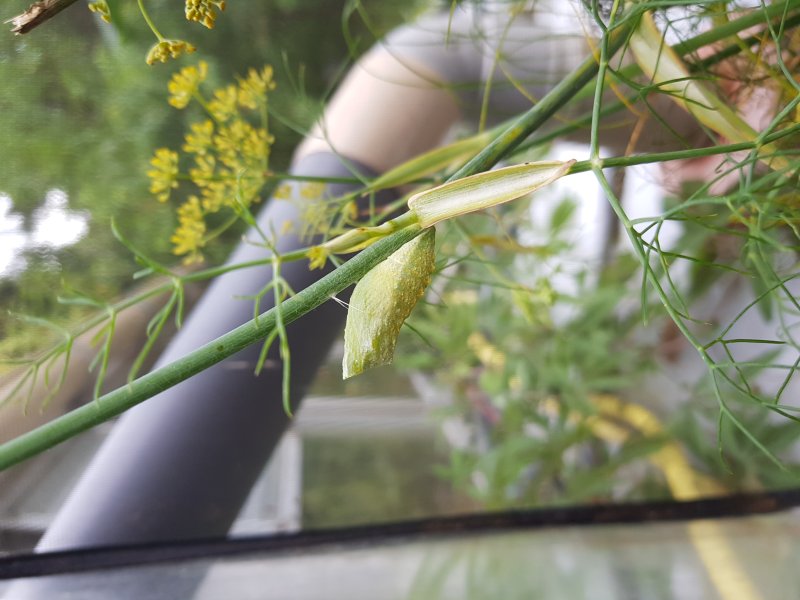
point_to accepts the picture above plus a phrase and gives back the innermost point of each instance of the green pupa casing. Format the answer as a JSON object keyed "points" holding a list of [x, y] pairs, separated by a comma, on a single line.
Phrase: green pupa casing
{"points": [[382, 301]]}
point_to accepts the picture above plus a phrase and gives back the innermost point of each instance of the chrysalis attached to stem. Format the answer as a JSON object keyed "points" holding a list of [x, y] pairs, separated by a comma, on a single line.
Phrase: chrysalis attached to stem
{"points": [[381, 303]]}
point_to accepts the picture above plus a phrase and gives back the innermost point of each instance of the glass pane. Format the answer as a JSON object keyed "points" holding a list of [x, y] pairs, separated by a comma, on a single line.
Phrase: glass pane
{"points": [[702, 560]]}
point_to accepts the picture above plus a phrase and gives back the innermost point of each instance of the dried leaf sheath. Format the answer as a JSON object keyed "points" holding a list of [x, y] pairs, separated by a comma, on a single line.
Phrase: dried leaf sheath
{"points": [[668, 71], [484, 190]]}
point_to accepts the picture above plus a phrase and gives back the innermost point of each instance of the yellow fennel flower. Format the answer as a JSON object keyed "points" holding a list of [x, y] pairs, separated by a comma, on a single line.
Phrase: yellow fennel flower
{"points": [[228, 155], [164, 174], [283, 192], [317, 257], [189, 237], [102, 10], [223, 106], [228, 142], [198, 139], [184, 84], [163, 50], [204, 11], [253, 89], [312, 190]]}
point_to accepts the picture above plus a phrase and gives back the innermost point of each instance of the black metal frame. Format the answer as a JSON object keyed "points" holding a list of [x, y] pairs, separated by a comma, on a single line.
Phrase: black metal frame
{"points": [[95, 559]]}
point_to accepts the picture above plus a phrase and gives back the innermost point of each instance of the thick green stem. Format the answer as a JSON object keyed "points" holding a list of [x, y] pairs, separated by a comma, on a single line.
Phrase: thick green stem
{"points": [[147, 386], [548, 106]]}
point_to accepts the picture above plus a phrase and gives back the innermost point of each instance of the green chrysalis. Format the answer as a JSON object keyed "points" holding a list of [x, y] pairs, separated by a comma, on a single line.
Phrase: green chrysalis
{"points": [[382, 301]]}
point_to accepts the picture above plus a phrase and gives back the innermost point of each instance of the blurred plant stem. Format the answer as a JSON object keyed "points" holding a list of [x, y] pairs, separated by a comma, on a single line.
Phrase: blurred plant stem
{"points": [[37, 13]]}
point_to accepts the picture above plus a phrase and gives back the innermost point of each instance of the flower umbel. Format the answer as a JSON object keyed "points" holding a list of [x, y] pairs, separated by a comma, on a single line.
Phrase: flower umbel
{"points": [[163, 176], [283, 192], [317, 257], [184, 84], [224, 104], [255, 87], [189, 237], [229, 153], [198, 140], [102, 10], [204, 11], [163, 50]]}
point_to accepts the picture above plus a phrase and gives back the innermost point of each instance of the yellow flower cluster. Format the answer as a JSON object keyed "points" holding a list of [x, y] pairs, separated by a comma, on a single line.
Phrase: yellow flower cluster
{"points": [[317, 257], [199, 138], [487, 353], [255, 87], [319, 214], [189, 236], [229, 154], [163, 50], [164, 174], [185, 84], [204, 11], [224, 103], [283, 192], [102, 10]]}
